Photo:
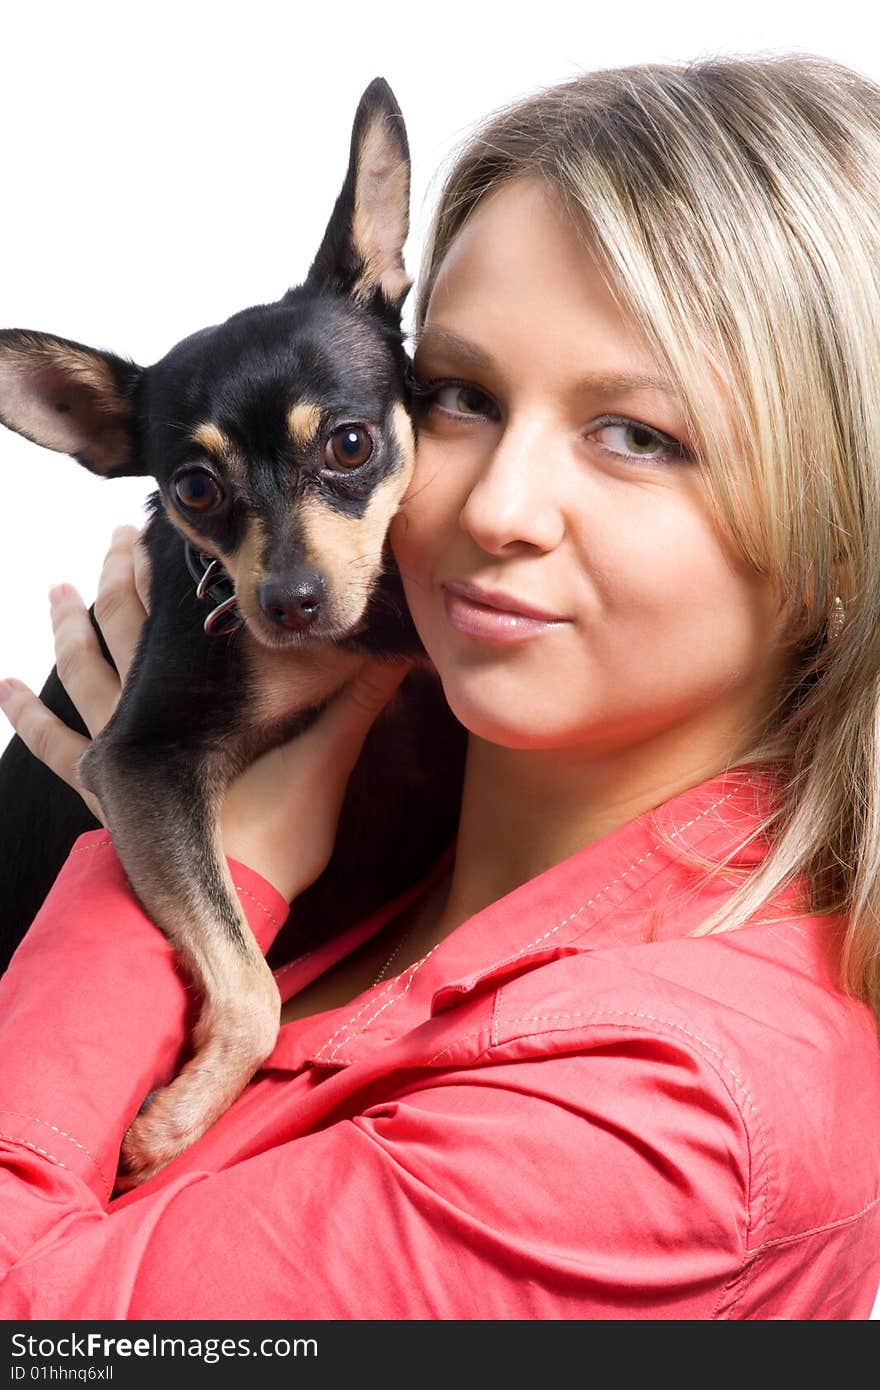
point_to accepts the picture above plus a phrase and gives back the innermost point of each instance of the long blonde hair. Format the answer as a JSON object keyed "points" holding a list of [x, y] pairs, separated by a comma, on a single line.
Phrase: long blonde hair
{"points": [[734, 203]]}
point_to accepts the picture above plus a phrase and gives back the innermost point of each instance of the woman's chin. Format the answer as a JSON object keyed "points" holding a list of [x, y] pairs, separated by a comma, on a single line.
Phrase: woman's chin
{"points": [[518, 727]]}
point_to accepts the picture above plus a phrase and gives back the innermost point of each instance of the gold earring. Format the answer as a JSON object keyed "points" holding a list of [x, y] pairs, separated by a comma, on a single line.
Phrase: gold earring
{"points": [[837, 619]]}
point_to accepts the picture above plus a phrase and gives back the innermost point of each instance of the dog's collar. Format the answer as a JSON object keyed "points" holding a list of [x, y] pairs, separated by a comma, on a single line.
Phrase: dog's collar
{"points": [[212, 583]]}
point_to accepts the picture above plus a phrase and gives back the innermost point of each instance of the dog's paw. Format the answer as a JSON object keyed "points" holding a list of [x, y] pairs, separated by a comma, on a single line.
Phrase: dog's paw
{"points": [[168, 1123], [230, 1048]]}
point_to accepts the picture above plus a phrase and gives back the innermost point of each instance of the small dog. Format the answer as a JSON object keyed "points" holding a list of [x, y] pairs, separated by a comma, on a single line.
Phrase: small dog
{"points": [[282, 442]]}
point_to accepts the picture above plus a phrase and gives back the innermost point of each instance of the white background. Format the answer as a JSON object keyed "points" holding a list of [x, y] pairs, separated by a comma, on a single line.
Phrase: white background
{"points": [[165, 165]]}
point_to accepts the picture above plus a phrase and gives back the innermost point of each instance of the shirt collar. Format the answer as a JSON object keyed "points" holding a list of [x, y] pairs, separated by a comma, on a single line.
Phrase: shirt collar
{"points": [[634, 884]]}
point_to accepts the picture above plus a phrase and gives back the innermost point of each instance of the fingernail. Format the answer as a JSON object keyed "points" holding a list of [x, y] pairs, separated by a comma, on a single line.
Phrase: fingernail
{"points": [[118, 534], [56, 594], [8, 689]]}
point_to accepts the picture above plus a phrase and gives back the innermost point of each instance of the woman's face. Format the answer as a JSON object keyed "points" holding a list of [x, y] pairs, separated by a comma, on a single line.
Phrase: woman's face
{"points": [[545, 488]]}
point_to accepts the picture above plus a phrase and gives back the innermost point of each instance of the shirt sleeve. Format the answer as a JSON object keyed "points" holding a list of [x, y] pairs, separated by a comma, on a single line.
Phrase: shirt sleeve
{"points": [[600, 1179], [94, 1014]]}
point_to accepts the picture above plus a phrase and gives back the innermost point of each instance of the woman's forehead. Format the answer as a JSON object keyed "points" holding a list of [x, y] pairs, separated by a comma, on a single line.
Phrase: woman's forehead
{"points": [[524, 271], [521, 264], [521, 219]]}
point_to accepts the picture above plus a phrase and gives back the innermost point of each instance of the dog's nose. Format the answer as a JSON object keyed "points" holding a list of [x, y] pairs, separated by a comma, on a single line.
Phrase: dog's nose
{"points": [[295, 601]]}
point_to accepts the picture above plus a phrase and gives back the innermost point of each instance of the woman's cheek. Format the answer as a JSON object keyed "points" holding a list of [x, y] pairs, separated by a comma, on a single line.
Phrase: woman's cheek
{"points": [[410, 538], [423, 520], [406, 540]]}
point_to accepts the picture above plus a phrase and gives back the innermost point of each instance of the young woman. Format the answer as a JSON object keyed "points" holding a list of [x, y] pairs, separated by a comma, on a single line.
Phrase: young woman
{"points": [[617, 1055]]}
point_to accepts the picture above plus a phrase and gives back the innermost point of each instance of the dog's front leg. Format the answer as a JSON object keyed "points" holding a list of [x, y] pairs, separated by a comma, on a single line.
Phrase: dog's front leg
{"points": [[162, 807]]}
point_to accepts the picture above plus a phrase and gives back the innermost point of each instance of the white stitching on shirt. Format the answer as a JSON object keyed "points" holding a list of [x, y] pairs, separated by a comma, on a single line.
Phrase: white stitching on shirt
{"points": [[817, 1230], [34, 1119], [591, 1014], [413, 968], [370, 1002], [101, 844], [756, 1253], [465, 1037], [349, 1023], [297, 960], [495, 1020], [272, 919], [363, 1008], [720, 802], [12, 1139]]}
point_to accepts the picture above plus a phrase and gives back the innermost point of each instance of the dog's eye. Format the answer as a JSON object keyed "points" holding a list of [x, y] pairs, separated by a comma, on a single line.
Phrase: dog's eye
{"points": [[348, 447], [198, 491]]}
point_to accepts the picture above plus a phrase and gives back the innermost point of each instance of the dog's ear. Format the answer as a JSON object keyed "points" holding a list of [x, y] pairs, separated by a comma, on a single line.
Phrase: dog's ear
{"points": [[71, 398], [362, 251]]}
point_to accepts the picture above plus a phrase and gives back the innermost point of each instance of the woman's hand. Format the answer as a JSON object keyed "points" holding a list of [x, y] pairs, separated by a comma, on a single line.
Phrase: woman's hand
{"points": [[90, 681], [280, 815]]}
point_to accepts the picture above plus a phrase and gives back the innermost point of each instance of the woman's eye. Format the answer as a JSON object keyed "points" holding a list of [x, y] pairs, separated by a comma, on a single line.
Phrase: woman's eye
{"points": [[459, 400], [639, 442], [198, 491], [454, 398], [348, 447]]}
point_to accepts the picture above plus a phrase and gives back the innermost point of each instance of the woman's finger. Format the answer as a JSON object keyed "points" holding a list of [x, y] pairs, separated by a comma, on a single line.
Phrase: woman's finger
{"points": [[346, 721], [320, 760], [280, 816], [47, 737], [142, 571], [118, 606], [89, 680]]}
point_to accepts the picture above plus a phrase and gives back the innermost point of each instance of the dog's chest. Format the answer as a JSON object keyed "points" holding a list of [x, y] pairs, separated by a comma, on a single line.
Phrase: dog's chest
{"points": [[279, 683]]}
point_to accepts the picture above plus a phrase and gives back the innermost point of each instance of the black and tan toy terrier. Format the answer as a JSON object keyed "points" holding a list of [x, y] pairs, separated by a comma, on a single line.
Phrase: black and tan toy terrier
{"points": [[282, 442]]}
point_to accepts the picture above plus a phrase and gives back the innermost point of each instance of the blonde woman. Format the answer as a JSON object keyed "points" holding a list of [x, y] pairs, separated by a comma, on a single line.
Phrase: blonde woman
{"points": [[616, 1057]]}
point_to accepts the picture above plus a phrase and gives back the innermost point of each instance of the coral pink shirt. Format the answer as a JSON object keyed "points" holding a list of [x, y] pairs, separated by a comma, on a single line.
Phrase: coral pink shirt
{"points": [[569, 1109]]}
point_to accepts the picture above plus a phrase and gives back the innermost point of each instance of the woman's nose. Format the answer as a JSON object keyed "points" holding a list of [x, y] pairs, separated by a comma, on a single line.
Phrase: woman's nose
{"points": [[514, 499]]}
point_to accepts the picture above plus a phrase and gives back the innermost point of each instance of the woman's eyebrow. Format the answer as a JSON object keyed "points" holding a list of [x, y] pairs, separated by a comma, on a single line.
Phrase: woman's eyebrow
{"points": [[596, 383]]}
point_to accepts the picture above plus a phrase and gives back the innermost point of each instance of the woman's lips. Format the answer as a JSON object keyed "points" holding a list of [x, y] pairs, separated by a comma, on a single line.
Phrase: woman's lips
{"points": [[490, 621]]}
